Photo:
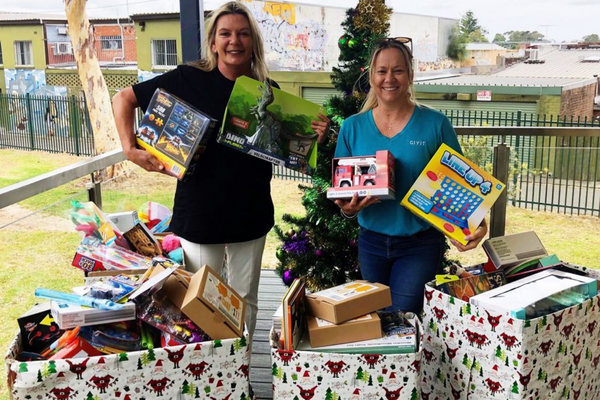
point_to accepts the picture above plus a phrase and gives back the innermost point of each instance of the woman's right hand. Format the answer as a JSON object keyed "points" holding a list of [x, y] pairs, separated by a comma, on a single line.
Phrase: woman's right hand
{"points": [[353, 206], [144, 159]]}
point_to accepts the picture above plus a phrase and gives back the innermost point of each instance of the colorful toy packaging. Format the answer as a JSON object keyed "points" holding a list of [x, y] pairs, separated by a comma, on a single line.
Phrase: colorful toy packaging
{"points": [[271, 124], [174, 132], [367, 176], [470, 352], [453, 194]]}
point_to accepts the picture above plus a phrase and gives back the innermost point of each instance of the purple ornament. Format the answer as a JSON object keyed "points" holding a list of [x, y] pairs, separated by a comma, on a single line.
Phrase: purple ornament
{"points": [[319, 252], [288, 277], [353, 242]]}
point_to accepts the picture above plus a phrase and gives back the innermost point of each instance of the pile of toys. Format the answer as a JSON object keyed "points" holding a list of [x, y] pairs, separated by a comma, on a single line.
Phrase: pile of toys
{"points": [[134, 294]]}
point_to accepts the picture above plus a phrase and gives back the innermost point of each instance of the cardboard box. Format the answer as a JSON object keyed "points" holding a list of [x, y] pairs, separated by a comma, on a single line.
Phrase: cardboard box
{"points": [[38, 328], [214, 306], [174, 132], [272, 125], [510, 250], [124, 220], [453, 194], [470, 352], [367, 176], [324, 333], [175, 288], [69, 316], [212, 369], [314, 375], [347, 301]]}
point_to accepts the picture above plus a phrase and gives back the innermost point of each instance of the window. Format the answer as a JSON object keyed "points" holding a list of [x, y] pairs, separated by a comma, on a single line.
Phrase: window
{"points": [[164, 53], [1, 60], [111, 42], [23, 54]]}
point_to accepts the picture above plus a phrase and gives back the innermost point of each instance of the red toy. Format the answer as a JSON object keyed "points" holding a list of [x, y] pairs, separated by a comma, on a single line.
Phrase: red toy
{"points": [[368, 175]]}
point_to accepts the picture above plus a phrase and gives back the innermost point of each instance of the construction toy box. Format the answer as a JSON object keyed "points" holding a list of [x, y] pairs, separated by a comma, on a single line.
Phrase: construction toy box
{"points": [[469, 352], [210, 370], [453, 194], [314, 375], [271, 124], [367, 176], [174, 132]]}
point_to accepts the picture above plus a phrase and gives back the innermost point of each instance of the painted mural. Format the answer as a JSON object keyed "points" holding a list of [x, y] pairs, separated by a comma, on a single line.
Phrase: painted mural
{"points": [[23, 81], [294, 41]]}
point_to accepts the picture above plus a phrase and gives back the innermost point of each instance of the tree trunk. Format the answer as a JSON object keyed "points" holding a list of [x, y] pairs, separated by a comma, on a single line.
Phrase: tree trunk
{"points": [[98, 99]]}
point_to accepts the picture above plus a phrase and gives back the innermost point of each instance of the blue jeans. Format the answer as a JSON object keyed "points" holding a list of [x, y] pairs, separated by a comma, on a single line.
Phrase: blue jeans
{"points": [[404, 263]]}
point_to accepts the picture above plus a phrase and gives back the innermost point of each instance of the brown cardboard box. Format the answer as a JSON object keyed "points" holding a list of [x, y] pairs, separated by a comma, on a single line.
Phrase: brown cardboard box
{"points": [[212, 305], [347, 301], [175, 288], [324, 333]]}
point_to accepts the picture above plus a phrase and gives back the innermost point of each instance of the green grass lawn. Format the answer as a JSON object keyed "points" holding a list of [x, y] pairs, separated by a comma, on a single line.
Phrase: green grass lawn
{"points": [[37, 251]]}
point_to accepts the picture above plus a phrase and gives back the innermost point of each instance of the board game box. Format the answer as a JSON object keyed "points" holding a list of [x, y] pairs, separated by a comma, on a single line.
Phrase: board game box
{"points": [[174, 132], [453, 194], [271, 124]]}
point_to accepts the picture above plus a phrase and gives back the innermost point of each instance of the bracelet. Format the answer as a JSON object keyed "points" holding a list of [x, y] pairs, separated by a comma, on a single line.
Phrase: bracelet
{"points": [[346, 216]]}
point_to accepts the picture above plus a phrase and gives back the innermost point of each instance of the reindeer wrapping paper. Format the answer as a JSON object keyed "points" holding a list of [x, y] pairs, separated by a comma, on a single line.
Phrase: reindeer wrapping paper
{"points": [[216, 370], [305, 375], [470, 353]]}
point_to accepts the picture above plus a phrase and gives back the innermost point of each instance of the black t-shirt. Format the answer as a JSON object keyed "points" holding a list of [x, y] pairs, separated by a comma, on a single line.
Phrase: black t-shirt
{"points": [[227, 199]]}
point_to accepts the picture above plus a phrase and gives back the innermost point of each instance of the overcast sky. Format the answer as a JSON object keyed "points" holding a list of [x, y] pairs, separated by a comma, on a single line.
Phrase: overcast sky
{"points": [[558, 20]]}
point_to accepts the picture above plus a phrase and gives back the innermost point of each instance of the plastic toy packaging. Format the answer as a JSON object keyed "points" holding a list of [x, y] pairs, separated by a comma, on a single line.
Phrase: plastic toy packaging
{"points": [[114, 288], [158, 311], [156, 216], [113, 338], [90, 220], [397, 323]]}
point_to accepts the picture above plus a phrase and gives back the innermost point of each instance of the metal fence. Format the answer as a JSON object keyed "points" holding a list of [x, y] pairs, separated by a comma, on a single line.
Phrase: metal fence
{"points": [[57, 124]]}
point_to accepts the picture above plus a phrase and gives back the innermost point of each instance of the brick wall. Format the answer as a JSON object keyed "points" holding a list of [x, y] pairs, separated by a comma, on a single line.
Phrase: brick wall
{"points": [[129, 50], [578, 102]]}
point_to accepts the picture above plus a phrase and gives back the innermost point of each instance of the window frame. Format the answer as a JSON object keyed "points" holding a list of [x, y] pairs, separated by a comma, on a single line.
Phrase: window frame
{"points": [[107, 39], [165, 55], [19, 53]]}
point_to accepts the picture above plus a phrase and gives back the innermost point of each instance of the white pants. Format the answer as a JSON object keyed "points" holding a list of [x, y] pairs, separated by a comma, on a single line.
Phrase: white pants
{"points": [[243, 271]]}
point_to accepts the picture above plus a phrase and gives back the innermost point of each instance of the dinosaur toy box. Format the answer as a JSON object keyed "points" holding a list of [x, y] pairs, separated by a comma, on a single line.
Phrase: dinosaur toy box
{"points": [[214, 369], [174, 132], [470, 352], [453, 194], [271, 124]]}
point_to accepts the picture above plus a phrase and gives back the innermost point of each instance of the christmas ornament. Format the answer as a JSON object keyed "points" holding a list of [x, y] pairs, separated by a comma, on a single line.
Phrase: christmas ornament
{"points": [[342, 41], [319, 252], [279, 253], [290, 233], [288, 277], [352, 42], [372, 16], [353, 243]]}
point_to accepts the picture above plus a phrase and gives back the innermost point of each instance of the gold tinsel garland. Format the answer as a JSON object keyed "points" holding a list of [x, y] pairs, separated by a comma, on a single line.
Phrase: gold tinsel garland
{"points": [[372, 15]]}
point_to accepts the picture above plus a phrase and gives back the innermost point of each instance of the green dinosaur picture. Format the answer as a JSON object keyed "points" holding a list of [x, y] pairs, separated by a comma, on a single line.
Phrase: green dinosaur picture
{"points": [[271, 124]]}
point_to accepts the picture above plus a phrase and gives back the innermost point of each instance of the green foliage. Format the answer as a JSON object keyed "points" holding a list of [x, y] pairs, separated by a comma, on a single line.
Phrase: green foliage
{"points": [[477, 37], [593, 38], [468, 24], [499, 38], [524, 36], [457, 45]]}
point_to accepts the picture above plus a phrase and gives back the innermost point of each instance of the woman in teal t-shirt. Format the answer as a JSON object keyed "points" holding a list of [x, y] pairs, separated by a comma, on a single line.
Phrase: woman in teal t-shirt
{"points": [[397, 248]]}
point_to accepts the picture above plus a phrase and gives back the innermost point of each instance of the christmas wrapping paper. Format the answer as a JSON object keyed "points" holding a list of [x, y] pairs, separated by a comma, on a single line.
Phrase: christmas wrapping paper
{"points": [[216, 370], [471, 353], [305, 375]]}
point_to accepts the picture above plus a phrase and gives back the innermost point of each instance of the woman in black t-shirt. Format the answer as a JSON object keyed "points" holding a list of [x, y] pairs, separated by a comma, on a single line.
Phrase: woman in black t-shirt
{"points": [[225, 204]]}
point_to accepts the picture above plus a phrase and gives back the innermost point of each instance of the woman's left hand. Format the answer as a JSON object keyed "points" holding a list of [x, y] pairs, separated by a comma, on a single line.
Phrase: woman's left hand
{"points": [[321, 127], [474, 238]]}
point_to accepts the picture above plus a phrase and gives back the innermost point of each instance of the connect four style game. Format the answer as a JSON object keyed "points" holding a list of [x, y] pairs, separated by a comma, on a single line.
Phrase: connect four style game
{"points": [[453, 194]]}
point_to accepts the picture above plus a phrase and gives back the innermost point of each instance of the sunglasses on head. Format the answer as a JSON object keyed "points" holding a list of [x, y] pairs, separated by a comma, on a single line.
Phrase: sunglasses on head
{"points": [[406, 41]]}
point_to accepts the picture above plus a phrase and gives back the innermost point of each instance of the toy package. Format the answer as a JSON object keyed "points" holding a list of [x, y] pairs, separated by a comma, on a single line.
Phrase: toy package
{"points": [[367, 176], [271, 124], [174, 132], [453, 194]]}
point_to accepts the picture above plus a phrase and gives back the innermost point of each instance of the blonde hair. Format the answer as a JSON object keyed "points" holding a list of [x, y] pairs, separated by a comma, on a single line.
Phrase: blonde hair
{"points": [[209, 59], [371, 100]]}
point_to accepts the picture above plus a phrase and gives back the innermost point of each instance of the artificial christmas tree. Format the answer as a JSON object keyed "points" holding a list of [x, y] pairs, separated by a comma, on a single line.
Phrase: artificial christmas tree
{"points": [[322, 247]]}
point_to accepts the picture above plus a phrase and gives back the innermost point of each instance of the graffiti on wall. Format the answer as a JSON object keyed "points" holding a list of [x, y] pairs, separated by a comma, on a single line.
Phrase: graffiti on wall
{"points": [[290, 44], [438, 64]]}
